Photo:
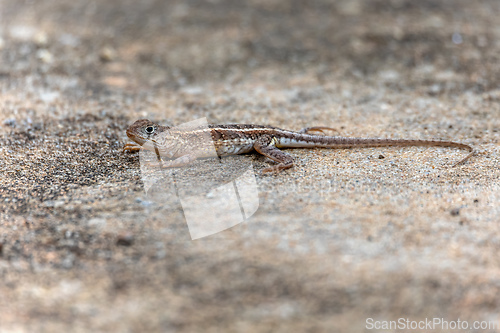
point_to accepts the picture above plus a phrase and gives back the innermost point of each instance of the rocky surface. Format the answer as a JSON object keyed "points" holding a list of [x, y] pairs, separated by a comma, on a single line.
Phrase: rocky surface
{"points": [[346, 235]]}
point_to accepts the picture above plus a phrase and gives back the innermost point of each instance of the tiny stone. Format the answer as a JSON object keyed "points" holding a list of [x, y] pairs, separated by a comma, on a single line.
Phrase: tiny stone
{"points": [[48, 203], [456, 38], [146, 203], [107, 54], [381, 157], [41, 39], [96, 222], [455, 211], [59, 203], [10, 122], [68, 262], [45, 56], [125, 239], [69, 40]]}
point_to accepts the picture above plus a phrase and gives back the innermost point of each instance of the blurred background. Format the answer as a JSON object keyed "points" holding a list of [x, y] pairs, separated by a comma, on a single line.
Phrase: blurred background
{"points": [[443, 46]]}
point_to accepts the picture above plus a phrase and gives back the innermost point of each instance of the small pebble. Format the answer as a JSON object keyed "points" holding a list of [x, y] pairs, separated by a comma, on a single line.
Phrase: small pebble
{"points": [[455, 211], [45, 56], [381, 157], [97, 222], [69, 40], [41, 39], [457, 38], [107, 54], [68, 261], [126, 239], [10, 122]]}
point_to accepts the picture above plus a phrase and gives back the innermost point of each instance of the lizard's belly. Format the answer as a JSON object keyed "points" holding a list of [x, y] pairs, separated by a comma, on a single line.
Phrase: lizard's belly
{"points": [[233, 149], [292, 143]]}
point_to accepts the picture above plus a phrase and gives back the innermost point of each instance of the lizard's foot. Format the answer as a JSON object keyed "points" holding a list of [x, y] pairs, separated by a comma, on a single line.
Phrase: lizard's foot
{"points": [[321, 129], [131, 147], [277, 168]]}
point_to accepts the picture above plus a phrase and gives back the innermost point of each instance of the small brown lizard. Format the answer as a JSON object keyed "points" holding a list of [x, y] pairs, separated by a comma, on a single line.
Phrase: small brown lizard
{"points": [[183, 146]]}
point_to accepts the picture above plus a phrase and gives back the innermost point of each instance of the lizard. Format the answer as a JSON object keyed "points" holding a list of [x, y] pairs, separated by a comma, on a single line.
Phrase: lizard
{"points": [[182, 147]]}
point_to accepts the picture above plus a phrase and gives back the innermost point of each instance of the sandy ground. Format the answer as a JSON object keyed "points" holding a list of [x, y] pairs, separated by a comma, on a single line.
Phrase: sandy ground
{"points": [[344, 236]]}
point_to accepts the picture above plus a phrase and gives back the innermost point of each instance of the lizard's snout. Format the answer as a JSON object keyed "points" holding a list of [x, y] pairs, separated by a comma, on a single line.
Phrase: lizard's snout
{"points": [[132, 135], [129, 133]]}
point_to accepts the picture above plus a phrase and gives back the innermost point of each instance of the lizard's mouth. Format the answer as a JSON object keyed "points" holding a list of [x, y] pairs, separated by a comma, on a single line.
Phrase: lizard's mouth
{"points": [[135, 138]]}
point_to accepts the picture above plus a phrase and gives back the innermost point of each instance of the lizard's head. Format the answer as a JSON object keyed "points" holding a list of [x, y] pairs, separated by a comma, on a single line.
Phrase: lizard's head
{"points": [[143, 130], [152, 136]]}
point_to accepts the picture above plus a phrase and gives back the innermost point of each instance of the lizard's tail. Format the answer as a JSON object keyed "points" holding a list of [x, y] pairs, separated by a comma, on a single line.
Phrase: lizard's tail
{"points": [[346, 142], [425, 143]]}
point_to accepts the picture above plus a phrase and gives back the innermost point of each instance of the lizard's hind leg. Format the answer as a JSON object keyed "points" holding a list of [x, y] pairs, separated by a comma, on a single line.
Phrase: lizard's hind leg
{"points": [[266, 146]]}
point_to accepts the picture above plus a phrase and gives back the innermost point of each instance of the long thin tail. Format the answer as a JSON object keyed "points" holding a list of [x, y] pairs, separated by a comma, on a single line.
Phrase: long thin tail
{"points": [[361, 142], [346, 142]]}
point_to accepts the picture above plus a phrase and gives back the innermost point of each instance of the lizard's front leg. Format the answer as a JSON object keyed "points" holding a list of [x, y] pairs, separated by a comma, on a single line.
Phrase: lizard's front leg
{"points": [[132, 147], [266, 145]]}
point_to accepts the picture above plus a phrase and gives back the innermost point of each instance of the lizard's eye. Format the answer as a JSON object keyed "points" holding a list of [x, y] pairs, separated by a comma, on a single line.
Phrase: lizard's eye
{"points": [[150, 129]]}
